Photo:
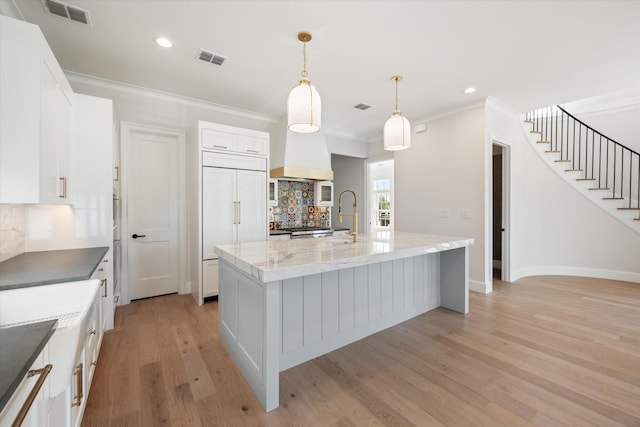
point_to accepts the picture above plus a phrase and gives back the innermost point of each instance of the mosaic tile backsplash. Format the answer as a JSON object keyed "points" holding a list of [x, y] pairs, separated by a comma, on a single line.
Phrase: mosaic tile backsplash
{"points": [[296, 207]]}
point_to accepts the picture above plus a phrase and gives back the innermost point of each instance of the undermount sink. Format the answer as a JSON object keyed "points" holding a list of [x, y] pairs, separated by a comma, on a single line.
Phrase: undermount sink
{"points": [[70, 303]]}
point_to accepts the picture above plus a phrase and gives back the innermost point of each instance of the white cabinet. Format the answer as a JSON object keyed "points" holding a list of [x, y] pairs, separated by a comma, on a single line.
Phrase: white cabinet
{"points": [[37, 414], [106, 304], [233, 207], [272, 192], [324, 193], [210, 278], [228, 196], [35, 118], [230, 139]]}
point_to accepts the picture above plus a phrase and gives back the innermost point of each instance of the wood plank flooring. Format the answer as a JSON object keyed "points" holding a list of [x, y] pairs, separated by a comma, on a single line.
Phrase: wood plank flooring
{"points": [[545, 351]]}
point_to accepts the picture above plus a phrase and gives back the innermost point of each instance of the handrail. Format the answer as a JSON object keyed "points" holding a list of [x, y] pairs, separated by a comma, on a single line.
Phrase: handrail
{"points": [[43, 372], [594, 130], [613, 166]]}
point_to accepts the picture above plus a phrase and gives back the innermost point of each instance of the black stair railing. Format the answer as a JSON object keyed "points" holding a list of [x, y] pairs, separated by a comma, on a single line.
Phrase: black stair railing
{"points": [[613, 167]]}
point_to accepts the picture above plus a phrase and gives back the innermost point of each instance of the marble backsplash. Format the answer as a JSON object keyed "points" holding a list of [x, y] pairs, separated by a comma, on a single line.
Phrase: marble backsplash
{"points": [[296, 208], [12, 231]]}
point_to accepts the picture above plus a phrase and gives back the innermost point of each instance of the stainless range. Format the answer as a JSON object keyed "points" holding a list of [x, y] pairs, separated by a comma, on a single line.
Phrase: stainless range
{"points": [[307, 233]]}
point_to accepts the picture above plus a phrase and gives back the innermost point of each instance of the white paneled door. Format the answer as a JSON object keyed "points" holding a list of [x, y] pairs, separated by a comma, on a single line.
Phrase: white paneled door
{"points": [[152, 212]]}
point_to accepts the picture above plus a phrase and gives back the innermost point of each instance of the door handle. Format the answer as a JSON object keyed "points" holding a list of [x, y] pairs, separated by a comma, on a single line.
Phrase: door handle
{"points": [[135, 236], [239, 212]]}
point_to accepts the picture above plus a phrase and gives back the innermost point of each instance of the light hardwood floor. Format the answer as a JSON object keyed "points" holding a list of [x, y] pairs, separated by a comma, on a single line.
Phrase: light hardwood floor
{"points": [[548, 351]]}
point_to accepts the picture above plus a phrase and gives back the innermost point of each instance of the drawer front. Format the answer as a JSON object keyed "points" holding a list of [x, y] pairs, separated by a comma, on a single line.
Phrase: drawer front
{"points": [[220, 141], [251, 145]]}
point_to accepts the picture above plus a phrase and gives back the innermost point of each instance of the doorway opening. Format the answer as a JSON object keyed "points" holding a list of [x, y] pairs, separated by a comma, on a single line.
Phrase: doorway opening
{"points": [[380, 196], [500, 180]]}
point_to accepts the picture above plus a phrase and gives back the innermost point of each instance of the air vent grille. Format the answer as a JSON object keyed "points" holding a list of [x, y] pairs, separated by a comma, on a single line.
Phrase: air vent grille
{"points": [[362, 106], [213, 58], [67, 11]]}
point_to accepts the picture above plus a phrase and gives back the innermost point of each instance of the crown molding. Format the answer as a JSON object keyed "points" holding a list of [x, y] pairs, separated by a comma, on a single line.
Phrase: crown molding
{"points": [[98, 82]]}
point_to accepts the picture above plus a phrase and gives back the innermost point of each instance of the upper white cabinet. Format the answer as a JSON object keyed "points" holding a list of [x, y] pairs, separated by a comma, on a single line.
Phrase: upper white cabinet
{"points": [[231, 139], [35, 118]]}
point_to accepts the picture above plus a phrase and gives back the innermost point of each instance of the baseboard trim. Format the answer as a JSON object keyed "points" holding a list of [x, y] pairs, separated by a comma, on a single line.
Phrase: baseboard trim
{"points": [[599, 273], [480, 287]]}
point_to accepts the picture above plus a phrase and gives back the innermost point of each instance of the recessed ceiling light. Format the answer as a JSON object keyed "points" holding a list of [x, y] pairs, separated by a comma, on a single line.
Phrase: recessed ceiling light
{"points": [[470, 90], [164, 42]]}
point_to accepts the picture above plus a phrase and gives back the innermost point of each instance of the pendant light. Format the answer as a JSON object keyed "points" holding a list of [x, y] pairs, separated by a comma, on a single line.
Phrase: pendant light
{"points": [[304, 105], [397, 130]]}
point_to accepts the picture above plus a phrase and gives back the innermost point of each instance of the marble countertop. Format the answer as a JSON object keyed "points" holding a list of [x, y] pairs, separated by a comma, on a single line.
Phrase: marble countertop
{"points": [[274, 260], [47, 267], [19, 347]]}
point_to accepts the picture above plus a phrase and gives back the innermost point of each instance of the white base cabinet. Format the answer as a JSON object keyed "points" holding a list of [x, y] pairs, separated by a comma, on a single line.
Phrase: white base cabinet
{"points": [[37, 415], [210, 278]]}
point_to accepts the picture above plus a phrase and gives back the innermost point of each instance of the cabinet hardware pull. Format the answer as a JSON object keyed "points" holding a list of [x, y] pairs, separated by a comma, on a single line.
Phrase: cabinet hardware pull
{"points": [[253, 151], [104, 282], [94, 363], [239, 212], [224, 147], [92, 332], [43, 372], [117, 178], [235, 212], [106, 260], [64, 187], [101, 269], [135, 236], [78, 397]]}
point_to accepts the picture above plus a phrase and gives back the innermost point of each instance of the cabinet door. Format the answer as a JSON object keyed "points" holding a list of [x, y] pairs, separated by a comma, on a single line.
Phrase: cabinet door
{"points": [[37, 415], [210, 278], [251, 145], [252, 206], [219, 209], [50, 185], [216, 140]]}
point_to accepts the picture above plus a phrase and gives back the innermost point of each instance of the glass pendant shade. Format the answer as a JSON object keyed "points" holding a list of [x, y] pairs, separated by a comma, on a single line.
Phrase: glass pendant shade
{"points": [[304, 108], [397, 132]]}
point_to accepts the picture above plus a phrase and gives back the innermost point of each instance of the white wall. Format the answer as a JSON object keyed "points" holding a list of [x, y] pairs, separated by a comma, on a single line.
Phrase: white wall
{"points": [[444, 170], [554, 229], [623, 126]]}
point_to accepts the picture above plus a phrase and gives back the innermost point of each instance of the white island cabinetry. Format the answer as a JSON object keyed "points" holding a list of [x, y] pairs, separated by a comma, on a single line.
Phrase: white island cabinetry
{"points": [[228, 193], [283, 303]]}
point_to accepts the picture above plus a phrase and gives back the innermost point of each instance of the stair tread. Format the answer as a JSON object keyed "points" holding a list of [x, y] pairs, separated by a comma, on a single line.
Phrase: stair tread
{"points": [[535, 131], [544, 142], [585, 179], [599, 188], [562, 161], [529, 121], [574, 170], [552, 151], [629, 209], [613, 198]]}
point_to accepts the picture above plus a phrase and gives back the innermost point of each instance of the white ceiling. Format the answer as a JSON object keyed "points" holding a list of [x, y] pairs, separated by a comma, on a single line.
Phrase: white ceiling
{"points": [[525, 53]]}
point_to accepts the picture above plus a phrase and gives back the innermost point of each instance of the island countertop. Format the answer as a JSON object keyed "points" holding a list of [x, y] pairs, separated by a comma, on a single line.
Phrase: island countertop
{"points": [[274, 260]]}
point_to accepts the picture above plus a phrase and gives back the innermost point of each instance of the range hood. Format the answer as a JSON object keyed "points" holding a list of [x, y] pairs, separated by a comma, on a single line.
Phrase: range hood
{"points": [[298, 155]]}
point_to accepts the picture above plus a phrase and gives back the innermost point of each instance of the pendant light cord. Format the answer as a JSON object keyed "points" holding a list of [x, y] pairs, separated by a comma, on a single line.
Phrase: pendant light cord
{"points": [[304, 61], [396, 93]]}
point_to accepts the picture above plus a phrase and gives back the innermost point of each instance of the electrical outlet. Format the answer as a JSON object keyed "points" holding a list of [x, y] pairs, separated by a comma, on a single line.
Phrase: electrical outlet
{"points": [[444, 213]]}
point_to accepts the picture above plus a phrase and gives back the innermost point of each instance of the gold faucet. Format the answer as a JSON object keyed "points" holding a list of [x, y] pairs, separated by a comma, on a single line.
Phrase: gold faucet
{"points": [[354, 214]]}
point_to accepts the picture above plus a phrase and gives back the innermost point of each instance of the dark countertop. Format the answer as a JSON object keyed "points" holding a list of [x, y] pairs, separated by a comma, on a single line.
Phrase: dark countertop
{"points": [[47, 267], [19, 348]]}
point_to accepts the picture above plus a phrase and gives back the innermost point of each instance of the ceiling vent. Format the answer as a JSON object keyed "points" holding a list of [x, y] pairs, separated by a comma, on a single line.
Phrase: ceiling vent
{"points": [[362, 106], [212, 58], [67, 11]]}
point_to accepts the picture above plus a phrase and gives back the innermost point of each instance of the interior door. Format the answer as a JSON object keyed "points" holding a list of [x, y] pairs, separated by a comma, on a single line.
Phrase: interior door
{"points": [[218, 209], [252, 205], [152, 213]]}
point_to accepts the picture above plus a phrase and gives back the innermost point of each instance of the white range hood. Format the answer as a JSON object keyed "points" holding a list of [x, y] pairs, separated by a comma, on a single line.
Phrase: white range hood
{"points": [[298, 155]]}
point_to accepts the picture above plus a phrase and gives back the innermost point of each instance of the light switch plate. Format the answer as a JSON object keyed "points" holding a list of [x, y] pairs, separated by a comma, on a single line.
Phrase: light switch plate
{"points": [[444, 213]]}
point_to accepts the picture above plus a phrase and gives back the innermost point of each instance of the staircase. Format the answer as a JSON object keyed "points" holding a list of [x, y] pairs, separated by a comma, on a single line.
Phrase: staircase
{"points": [[603, 170]]}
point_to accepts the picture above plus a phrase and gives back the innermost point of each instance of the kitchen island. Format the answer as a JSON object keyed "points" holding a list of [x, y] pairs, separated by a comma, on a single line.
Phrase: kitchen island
{"points": [[284, 302]]}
